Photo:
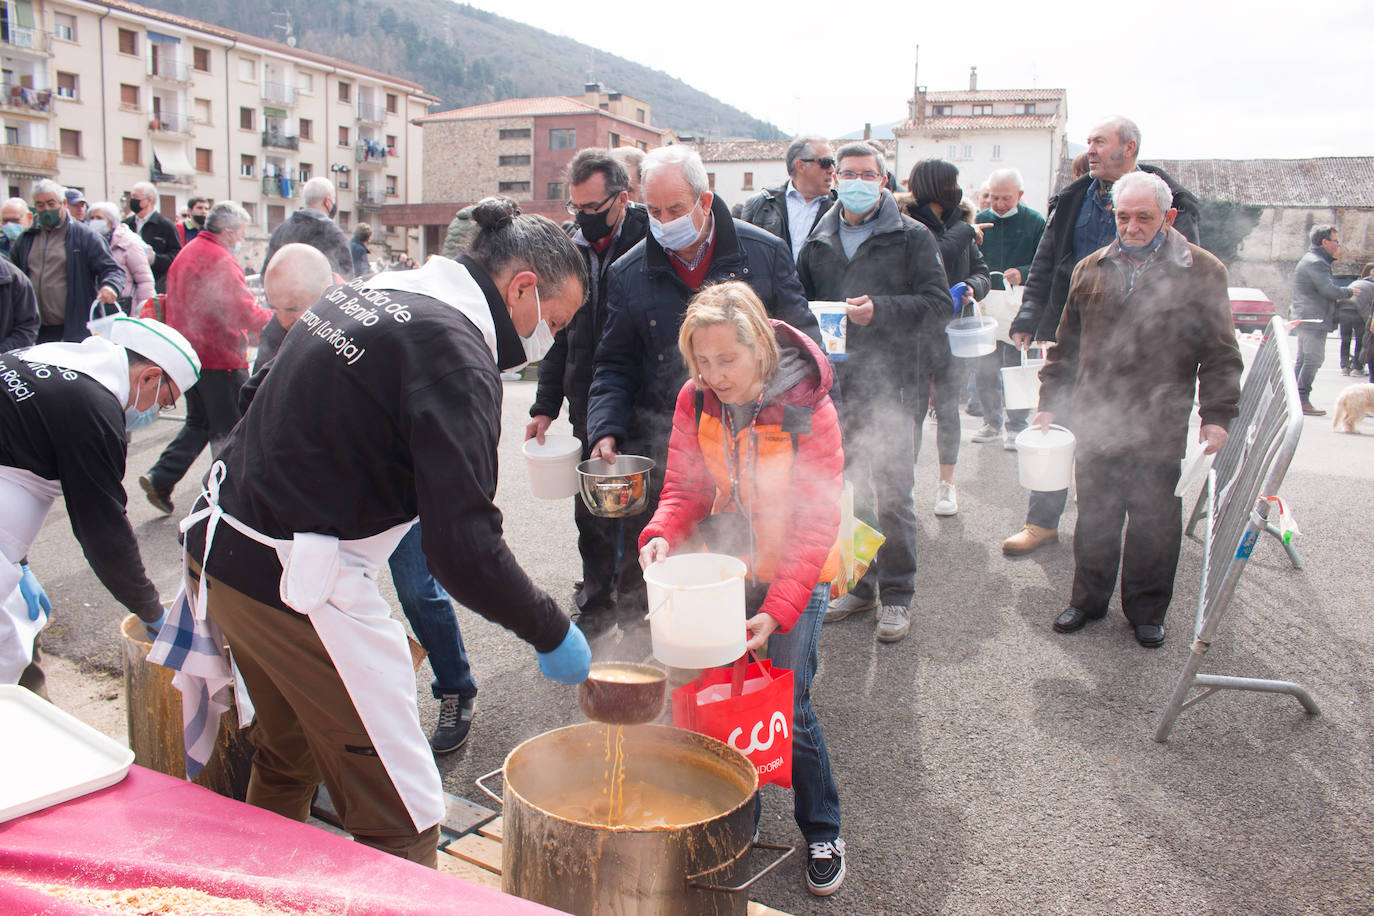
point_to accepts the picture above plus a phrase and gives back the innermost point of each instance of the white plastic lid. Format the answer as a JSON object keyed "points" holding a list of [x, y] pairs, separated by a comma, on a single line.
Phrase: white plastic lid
{"points": [[1055, 437], [554, 447]]}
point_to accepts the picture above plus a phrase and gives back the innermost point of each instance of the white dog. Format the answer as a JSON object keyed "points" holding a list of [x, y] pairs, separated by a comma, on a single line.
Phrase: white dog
{"points": [[1353, 405]]}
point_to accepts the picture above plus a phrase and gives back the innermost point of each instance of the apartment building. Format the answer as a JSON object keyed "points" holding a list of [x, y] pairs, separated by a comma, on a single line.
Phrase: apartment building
{"points": [[101, 95]]}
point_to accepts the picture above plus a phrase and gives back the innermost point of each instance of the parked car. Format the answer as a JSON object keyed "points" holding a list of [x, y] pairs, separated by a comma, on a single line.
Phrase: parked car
{"points": [[1251, 309]]}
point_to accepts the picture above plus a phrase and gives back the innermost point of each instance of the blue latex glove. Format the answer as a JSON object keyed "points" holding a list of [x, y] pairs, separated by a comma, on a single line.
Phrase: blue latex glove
{"points": [[154, 626], [956, 293], [33, 592], [571, 662]]}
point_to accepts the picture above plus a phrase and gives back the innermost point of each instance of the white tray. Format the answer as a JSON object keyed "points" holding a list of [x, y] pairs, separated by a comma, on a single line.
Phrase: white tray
{"points": [[51, 756]]}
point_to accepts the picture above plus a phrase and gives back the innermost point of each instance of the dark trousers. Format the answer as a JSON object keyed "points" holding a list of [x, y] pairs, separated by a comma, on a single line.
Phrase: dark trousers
{"points": [[631, 594], [940, 389], [1045, 507], [987, 380], [1351, 332], [1311, 353], [1117, 490], [212, 409], [598, 539]]}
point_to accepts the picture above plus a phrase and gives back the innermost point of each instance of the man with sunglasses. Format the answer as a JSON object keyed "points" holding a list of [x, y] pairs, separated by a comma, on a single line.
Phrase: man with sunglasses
{"points": [[606, 225], [66, 412], [791, 210]]}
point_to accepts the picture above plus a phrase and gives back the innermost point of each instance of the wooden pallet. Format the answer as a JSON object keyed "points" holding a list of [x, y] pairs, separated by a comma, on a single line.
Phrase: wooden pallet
{"points": [[476, 857]]}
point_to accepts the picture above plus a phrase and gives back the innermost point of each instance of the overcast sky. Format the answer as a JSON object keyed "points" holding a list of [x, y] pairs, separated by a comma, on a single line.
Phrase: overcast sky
{"points": [[1221, 80]]}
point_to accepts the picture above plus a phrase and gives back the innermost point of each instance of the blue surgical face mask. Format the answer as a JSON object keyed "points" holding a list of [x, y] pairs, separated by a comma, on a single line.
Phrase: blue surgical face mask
{"points": [[13, 231], [858, 196], [135, 419], [675, 234]]}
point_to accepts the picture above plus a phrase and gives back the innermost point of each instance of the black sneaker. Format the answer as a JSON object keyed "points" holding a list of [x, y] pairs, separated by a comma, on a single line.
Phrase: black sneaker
{"points": [[825, 868], [455, 721], [160, 500]]}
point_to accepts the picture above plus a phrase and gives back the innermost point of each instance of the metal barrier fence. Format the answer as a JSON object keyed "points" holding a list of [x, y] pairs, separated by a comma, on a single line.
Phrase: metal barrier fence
{"points": [[1262, 442], [1260, 385]]}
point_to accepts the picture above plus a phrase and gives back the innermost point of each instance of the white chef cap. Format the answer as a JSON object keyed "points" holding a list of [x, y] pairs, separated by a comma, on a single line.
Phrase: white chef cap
{"points": [[162, 344]]}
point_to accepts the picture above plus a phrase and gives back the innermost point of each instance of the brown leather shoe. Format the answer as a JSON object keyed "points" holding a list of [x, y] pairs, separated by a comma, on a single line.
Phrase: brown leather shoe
{"points": [[1030, 537], [1309, 411]]}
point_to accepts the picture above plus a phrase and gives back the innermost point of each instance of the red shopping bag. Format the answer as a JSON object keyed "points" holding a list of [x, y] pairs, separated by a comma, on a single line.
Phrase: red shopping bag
{"points": [[749, 707]]}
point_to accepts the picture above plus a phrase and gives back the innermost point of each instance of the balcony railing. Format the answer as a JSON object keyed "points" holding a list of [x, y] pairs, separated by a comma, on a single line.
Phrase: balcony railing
{"points": [[371, 194], [17, 36], [26, 99], [157, 176], [28, 158], [280, 140], [369, 112], [280, 187], [174, 70], [369, 151], [170, 122], [279, 92]]}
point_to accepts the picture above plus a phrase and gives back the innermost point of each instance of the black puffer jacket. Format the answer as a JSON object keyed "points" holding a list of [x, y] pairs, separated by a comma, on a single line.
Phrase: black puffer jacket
{"points": [[1047, 287], [964, 263], [311, 227], [899, 267], [768, 210], [639, 370], [566, 370]]}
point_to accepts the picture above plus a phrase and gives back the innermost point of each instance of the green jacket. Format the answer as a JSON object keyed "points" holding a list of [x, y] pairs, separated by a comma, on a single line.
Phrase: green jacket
{"points": [[1011, 242]]}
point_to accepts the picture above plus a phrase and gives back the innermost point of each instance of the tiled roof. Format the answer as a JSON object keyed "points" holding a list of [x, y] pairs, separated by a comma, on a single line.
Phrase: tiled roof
{"points": [[515, 108], [979, 122], [997, 95], [765, 150], [1334, 181]]}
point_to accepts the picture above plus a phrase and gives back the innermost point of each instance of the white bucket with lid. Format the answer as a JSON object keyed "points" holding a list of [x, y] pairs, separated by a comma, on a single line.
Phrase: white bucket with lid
{"points": [[1021, 384], [696, 609], [974, 336], [553, 466], [831, 316], [1045, 459]]}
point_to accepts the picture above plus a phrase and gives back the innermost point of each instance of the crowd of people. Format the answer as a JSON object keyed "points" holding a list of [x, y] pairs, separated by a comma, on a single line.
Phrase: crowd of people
{"points": [[672, 329]]}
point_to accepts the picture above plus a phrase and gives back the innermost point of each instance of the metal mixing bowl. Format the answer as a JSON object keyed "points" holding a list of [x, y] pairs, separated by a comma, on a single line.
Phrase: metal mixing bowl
{"points": [[615, 490]]}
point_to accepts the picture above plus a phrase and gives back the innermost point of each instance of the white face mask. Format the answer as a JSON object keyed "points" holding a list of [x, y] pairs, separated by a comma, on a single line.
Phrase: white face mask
{"points": [[675, 234], [99, 226], [541, 338]]}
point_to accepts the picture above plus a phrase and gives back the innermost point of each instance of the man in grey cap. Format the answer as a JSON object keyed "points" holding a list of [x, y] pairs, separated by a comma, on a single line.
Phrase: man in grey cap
{"points": [[66, 411], [76, 205]]}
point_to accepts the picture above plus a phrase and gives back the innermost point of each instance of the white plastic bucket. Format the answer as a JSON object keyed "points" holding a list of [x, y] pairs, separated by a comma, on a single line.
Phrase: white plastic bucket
{"points": [[553, 466], [101, 325], [972, 337], [1021, 384], [831, 317], [696, 609], [1045, 460]]}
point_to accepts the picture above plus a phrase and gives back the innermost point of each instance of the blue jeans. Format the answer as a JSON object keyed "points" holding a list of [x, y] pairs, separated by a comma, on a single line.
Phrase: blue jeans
{"points": [[815, 800], [432, 617]]}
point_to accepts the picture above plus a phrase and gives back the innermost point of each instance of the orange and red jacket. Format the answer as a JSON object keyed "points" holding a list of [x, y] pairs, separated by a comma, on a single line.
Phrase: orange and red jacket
{"points": [[790, 472]]}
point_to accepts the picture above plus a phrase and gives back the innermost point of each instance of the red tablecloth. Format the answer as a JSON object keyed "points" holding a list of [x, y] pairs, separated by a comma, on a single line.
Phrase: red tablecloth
{"points": [[154, 831]]}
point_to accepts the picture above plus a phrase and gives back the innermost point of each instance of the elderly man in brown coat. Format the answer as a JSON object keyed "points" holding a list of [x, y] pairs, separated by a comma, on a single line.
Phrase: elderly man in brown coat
{"points": [[1147, 321]]}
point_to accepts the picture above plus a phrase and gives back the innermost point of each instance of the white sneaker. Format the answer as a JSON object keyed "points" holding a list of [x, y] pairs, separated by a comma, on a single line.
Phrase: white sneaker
{"points": [[946, 503], [987, 434], [1008, 441]]}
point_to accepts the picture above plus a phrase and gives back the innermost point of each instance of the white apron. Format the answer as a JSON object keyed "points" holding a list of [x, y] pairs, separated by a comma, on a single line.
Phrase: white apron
{"points": [[334, 583], [25, 499]]}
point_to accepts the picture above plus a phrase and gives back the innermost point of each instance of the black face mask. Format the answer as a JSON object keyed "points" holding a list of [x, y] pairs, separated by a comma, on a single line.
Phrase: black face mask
{"points": [[333, 210], [595, 226], [135, 206], [198, 219]]}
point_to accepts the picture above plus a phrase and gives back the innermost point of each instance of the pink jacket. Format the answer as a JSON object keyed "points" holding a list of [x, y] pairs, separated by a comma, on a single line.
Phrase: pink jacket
{"points": [[131, 257]]}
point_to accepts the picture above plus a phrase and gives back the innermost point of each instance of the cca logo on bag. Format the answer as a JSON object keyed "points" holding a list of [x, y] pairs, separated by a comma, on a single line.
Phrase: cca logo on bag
{"points": [[777, 725]]}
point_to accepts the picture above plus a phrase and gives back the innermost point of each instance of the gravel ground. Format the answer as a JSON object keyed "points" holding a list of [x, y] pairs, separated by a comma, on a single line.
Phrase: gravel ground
{"points": [[986, 764]]}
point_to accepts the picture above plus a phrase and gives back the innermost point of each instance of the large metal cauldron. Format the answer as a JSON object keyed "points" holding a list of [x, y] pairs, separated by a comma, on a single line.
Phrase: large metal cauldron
{"points": [[555, 852]]}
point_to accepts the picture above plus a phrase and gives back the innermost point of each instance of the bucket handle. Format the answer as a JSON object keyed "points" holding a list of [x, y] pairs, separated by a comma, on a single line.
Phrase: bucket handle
{"points": [[692, 880], [483, 786], [658, 607]]}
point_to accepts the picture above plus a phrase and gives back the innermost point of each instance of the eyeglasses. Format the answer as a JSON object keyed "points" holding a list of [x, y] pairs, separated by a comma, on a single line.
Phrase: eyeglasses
{"points": [[589, 209], [825, 162], [848, 175]]}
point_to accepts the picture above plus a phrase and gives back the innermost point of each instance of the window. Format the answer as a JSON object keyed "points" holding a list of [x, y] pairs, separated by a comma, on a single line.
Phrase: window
{"points": [[513, 187], [71, 141], [246, 164], [613, 140], [711, 180], [392, 103], [748, 181], [306, 130], [128, 97], [643, 146], [202, 109], [605, 106], [391, 144], [391, 186], [515, 133], [307, 171], [997, 151], [12, 138], [66, 85], [200, 59], [345, 92], [1023, 108], [133, 151], [640, 115], [341, 180], [276, 215], [982, 109], [968, 150], [204, 160], [941, 111], [64, 26], [343, 136], [246, 119], [251, 209], [563, 138], [128, 41], [345, 220], [248, 69], [951, 152], [513, 160], [554, 191], [305, 82]]}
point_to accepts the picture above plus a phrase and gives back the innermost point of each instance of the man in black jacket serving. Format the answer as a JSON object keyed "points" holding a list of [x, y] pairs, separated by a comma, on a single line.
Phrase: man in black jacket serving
{"points": [[390, 389]]}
